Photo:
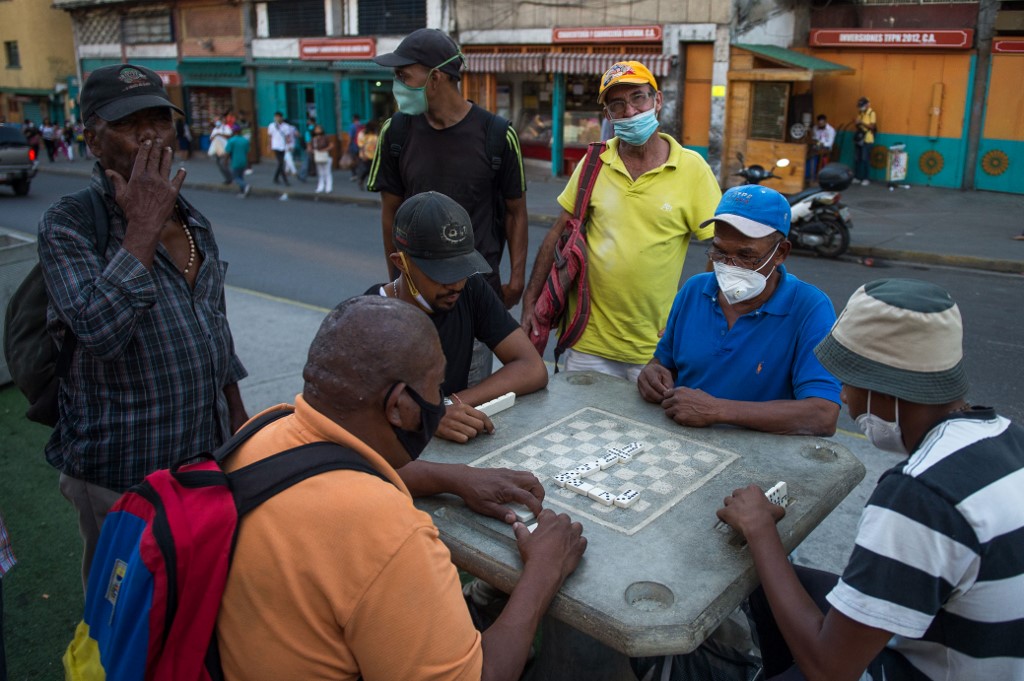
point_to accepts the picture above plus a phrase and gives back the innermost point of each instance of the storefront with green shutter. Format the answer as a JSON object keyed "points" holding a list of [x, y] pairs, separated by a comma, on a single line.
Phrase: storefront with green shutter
{"points": [[211, 88], [297, 89]]}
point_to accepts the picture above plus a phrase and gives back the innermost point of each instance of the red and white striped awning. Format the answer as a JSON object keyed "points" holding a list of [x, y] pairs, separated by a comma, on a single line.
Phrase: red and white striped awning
{"points": [[505, 62], [659, 64], [595, 64]]}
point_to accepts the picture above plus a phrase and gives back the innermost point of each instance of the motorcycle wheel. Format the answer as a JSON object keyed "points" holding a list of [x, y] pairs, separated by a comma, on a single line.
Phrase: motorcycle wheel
{"points": [[837, 236]]}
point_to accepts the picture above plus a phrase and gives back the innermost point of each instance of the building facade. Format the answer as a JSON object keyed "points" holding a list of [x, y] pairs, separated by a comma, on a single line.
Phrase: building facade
{"points": [[744, 77], [39, 62]]}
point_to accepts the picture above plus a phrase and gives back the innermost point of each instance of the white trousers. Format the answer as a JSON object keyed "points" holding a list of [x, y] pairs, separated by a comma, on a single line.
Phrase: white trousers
{"points": [[325, 179], [581, 361]]}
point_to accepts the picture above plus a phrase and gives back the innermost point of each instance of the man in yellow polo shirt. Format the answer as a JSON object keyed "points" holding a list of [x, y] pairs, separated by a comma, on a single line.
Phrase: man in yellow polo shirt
{"points": [[651, 195]]}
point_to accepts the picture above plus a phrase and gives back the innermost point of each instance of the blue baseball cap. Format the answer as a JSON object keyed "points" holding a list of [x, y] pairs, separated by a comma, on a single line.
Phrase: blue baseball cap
{"points": [[754, 210]]}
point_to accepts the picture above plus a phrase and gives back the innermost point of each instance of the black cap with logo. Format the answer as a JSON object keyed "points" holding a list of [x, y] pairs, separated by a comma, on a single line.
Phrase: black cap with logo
{"points": [[429, 47], [113, 92], [436, 233]]}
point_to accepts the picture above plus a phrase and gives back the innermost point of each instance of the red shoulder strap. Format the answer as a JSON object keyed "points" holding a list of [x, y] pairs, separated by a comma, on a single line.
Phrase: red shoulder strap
{"points": [[588, 178]]}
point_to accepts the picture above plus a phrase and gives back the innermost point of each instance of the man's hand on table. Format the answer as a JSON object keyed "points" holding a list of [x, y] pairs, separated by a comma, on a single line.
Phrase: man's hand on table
{"points": [[557, 541], [655, 382], [462, 422], [749, 512], [689, 407], [487, 490]]}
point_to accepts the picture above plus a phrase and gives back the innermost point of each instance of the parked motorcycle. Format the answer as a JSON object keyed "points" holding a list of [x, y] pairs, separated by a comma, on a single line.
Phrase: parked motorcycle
{"points": [[820, 223]]}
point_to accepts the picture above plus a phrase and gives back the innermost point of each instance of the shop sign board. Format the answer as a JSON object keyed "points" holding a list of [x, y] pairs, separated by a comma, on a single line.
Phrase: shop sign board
{"points": [[334, 49], [947, 39], [606, 34], [1008, 45]]}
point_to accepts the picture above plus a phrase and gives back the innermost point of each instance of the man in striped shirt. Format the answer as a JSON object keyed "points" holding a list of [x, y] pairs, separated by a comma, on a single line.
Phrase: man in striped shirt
{"points": [[933, 588]]}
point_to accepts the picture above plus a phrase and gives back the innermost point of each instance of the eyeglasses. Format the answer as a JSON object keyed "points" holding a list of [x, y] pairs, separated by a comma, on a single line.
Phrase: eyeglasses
{"points": [[638, 100], [715, 255]]}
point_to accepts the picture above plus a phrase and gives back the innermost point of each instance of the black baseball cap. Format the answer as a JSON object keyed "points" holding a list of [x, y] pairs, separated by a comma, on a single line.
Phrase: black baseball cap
{"points": [[430, 47], [113, 92], [436, 233]]}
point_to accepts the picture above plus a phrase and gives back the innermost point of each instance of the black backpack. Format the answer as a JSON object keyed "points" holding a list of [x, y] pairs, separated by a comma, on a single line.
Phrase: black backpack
{"points": [[35, 361]]}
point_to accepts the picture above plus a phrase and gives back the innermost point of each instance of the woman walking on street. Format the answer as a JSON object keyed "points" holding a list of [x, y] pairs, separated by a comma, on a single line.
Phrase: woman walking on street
{"points": [[321, 148]]}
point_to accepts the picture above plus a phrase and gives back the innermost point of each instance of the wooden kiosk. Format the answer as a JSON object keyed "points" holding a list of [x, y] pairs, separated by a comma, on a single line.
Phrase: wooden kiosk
{"points": [[769, 111]]}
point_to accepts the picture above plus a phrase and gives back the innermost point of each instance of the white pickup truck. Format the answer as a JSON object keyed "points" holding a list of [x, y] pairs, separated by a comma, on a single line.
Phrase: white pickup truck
{"points": [[18, 162]]}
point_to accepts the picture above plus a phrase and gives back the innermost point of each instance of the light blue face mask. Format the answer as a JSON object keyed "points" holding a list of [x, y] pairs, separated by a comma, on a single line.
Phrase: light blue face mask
{"points": [[637, 129], [412, 101]]}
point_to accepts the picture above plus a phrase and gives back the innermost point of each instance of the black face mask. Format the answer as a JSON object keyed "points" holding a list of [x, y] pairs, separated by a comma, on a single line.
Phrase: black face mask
{"points": [[415, 441]]}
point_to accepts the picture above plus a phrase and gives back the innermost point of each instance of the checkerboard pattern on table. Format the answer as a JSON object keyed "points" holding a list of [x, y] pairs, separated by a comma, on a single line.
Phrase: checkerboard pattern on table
{"points": [[670, 467]]}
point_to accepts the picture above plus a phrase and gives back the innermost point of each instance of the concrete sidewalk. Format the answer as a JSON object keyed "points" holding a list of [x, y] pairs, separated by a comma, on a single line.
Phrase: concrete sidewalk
{"points": [[921, 224]]}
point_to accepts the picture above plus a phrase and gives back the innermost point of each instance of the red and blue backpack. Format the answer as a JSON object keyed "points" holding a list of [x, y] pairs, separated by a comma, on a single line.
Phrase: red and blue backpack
{"points": [[162, 561]]}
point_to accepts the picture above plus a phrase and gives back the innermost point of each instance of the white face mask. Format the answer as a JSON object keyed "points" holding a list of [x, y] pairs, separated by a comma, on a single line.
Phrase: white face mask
{"points": [[883, 434], [739, 283]]}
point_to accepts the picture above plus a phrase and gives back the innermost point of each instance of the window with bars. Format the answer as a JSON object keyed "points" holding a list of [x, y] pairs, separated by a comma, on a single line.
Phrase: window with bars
{"points": [[296, 19], [13, 56], [150, 27], [391, 16]]}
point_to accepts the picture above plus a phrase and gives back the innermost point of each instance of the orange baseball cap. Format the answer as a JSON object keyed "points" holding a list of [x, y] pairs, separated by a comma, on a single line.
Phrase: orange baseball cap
{"points": [[626, 73]]}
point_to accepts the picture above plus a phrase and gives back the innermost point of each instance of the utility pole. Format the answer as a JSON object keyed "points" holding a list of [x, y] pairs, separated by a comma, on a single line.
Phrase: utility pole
{"points": [[987, 10]]}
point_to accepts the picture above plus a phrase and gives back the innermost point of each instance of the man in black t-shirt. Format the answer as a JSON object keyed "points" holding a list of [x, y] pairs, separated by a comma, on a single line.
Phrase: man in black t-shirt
{"points": [[445, 150], [438, 268]]}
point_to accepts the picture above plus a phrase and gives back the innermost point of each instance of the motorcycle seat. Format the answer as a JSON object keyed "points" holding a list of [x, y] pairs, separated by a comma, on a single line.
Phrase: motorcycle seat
{"points": [[800, 196]]}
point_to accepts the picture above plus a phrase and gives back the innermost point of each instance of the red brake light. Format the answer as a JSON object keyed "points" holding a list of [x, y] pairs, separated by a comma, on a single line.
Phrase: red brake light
{"points": [[31, 154]]}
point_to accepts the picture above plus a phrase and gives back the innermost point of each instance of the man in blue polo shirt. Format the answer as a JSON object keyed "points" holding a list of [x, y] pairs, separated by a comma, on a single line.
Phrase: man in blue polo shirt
{"points": [[738, 347]]}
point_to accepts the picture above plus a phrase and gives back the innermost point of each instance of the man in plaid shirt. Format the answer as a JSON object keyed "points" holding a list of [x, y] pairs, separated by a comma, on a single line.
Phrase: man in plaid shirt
{"points": [[154, 375]]}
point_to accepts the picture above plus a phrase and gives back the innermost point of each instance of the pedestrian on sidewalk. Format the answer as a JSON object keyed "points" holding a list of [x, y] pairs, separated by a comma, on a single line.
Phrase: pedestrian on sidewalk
{"points": [[865, 126], [823, 136], [321, 151], [279, 144], [7, 561], [49, 132], [237, 151], [218, 143], [184, 136], [292, 143], [367, 150], [353, 145]]}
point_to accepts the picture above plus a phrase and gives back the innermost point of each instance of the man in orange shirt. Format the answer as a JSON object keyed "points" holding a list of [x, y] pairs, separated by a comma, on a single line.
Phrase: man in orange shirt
{"points": [[340, 576]]}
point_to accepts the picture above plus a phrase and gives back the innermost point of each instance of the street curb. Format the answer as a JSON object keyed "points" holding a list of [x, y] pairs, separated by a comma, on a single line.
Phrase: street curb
{"points": [[960, 261]]}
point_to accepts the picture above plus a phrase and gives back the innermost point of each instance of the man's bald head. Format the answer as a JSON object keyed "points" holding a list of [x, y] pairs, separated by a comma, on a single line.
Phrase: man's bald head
{"points": [[363, 347]]}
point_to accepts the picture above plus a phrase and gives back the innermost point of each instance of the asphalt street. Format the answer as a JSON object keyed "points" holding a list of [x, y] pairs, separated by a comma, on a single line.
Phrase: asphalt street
{"points": [[321, 253]]}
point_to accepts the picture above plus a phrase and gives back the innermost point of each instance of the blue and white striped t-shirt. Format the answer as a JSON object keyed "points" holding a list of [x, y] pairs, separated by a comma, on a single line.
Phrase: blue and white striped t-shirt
{"points": [[939, 555]]}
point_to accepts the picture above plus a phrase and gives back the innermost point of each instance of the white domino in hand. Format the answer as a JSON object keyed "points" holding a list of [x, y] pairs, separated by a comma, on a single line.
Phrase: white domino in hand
{"points": [[498, 404], [627, 498], [778, 494], [523, 513]]}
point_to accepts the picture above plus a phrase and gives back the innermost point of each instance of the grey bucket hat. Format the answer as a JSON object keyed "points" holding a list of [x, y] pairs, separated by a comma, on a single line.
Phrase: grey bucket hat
{"points": [[900, 337]]}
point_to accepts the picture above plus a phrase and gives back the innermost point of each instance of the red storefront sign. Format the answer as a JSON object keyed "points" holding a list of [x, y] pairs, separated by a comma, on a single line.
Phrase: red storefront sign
{"points": [[1008, 45], [169, 78], [607, 34], [958, 39], [333, 49]]}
